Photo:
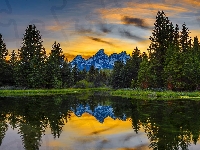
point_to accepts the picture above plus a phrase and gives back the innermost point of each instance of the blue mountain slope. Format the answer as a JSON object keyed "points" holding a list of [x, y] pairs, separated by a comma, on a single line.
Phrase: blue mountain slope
{"points": [[100, 60]]}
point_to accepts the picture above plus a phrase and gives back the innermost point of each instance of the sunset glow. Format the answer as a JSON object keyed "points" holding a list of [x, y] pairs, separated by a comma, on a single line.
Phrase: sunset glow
{"points": [[84, 27]]}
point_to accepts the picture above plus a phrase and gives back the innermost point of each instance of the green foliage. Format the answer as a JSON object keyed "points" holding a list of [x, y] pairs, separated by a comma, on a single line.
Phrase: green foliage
{"points": [[131, 68], [117, 75], [83, 84], [54, 63], [76, 74], [32, 56], [5, 70], [145, 75], [162, 36], [66, 75]]}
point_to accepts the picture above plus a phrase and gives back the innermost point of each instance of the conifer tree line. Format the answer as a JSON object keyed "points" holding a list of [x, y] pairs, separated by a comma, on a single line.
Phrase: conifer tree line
{"points": [[172, 62], [31, 67]]}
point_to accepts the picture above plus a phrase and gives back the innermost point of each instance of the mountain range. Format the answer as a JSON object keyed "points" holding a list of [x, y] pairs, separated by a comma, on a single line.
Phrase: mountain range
{"points": [[100, 60]]}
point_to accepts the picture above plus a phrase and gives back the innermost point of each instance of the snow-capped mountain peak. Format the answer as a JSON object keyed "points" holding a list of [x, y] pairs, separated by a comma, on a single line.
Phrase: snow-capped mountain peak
{"points": [[100, 60]]}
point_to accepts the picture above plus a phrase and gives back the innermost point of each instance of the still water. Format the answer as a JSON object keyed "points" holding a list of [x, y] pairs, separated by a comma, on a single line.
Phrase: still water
{"points": [[78, 122]]}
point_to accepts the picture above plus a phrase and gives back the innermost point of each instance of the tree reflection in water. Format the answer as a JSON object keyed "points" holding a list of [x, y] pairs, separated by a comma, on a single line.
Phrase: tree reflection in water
{"points": [[169, 125]]}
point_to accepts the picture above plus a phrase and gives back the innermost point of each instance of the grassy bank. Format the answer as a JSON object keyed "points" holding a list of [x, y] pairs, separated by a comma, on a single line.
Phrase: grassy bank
{"points": [[32, 92], [129, 93], [148, 94]]}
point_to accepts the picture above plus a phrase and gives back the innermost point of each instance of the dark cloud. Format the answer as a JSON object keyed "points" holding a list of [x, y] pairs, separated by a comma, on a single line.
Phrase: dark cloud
{"points": [[84, 30], [129, 35], [135, 21], [105, 29], [100, 40]]}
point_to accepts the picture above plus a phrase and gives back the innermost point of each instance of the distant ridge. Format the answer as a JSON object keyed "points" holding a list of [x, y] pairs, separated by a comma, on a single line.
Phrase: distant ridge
{"points": [[100, 60]]}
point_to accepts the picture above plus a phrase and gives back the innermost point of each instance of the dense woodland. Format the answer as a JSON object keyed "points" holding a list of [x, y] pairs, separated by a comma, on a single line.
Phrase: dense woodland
{"points": [[172, 62]]}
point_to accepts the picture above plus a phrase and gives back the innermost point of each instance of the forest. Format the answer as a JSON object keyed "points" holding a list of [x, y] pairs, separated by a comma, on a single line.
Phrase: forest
{"points": [[172, 62]]}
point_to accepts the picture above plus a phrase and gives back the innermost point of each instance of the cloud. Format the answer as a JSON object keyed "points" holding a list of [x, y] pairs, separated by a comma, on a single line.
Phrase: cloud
{"points": [[144, 10], [129, 35], [52, 26], [135, 21], [81, 30], [104, 28], [100, 40]]}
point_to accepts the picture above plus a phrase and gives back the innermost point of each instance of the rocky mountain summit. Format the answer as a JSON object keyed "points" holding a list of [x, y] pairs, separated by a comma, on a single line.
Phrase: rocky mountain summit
{"points": [[100, 60]]}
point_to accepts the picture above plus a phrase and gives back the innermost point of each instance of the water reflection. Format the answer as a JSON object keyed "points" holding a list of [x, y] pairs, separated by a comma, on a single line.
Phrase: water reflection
{"points": [[167, 124]]}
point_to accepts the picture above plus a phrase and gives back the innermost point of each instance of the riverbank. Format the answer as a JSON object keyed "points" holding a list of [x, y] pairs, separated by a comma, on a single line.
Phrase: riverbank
{"points": [[35, 92], [129, 93], [149, 94]]}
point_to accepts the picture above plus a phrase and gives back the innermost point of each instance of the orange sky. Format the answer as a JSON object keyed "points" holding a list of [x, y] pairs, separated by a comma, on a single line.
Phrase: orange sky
{"points": [[85, 26]]}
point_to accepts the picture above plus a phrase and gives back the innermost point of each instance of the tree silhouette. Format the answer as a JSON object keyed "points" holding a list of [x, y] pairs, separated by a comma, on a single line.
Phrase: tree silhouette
{"points": [[162, 35], [31, 59]]}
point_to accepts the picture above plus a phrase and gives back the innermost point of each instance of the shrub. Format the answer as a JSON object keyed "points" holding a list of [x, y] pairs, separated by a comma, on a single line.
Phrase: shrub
{"points": [[84, 84]]}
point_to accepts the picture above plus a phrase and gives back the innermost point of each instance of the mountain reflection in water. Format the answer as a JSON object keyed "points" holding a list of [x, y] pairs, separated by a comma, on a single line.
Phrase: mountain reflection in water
{"points": [[98, 122]]}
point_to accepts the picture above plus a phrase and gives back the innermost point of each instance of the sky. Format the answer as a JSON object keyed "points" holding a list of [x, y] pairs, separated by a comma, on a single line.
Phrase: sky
{"points": [[82, 27]]}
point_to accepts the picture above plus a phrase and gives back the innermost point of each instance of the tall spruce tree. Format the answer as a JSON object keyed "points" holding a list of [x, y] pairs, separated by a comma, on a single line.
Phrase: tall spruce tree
{"points": [[117, 75], [162, 36], [53, 65], [187, 58], [31, 59], [185, 42], [4, 68], [131, 68], [12, 65], [145, 75], [75, 74], [66, 75]]}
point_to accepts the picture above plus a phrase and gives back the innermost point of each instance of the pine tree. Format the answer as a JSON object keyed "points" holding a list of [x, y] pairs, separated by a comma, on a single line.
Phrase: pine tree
{"points": [[3, 63], [66, 75], [173, 68], [185, 42], [191, 66], [162, 36], [131, 69], [91, 74], [53, 67], [117, 75], [145, 75], [12, 65], [31, 59], [76, 74]]}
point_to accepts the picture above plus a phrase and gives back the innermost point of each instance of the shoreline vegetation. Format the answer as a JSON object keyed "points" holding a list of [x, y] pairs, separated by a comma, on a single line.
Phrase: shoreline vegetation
{"points": [[172, 63], [128, 93]]}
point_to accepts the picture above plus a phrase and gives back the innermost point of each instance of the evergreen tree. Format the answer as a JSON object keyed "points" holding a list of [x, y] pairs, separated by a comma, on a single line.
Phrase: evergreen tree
{"points": [[54, 64], [83, 74], [91, 74], [12, 65], [66, 75], [131, 69], [3, 63], [185, 42], [173, 68], [191, 67], [145, 75], [31, 59], [117, 75], [162, 36], [75, 74]]}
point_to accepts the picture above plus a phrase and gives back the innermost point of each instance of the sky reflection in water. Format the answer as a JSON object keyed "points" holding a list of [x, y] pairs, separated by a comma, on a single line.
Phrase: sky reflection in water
{"points": [[98, 122]]}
